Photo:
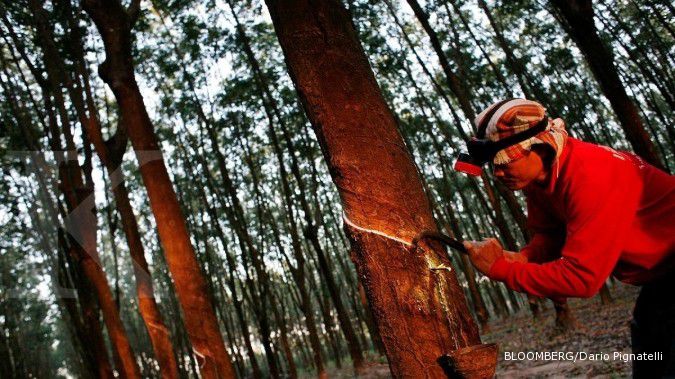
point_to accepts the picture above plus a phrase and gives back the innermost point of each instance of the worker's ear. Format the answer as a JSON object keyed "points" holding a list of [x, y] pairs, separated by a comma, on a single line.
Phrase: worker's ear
{"points": [[545, 152]]}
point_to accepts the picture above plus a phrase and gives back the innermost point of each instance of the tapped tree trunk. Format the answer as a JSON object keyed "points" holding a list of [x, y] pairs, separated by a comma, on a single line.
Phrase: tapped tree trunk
{"points": [[114, 23], [419, 308], [577, 18]]}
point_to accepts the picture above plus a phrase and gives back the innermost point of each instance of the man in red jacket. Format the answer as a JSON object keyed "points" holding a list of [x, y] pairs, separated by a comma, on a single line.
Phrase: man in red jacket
{"points": [[592, 212]]}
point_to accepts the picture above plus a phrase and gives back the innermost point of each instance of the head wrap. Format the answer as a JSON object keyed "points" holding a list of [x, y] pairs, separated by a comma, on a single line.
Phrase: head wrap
{"points": [[515, 116]]}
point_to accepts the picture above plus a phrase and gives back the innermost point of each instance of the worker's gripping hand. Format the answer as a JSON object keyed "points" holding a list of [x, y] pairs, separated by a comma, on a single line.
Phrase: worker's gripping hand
{"points": [[484, 253], [515, 257]]}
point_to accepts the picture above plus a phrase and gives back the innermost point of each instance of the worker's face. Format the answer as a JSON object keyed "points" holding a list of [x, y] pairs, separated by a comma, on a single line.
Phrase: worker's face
{"points": [[521, 172]]}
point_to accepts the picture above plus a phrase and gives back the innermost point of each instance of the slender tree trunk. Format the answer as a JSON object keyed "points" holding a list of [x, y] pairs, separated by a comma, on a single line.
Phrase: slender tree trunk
{"points": [[89, 326], [381, 192], [330, 337], [513, 299], [577, 18], [499, 297], [514, 64], [114, 24], [281, 320], [231, 266], [456, 85], [79, 195], [110, 154], [486, 56], [605, 295], [297, 271], [564, 318], [441, 92], [238, 222], [478, 302]]}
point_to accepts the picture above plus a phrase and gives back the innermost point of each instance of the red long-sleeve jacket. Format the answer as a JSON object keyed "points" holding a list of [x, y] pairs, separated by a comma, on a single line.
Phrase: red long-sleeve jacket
{"points": [[603, 212]]}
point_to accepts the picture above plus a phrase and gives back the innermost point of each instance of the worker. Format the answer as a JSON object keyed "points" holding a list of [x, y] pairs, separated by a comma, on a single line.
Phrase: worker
{"points": [[592, 212]]}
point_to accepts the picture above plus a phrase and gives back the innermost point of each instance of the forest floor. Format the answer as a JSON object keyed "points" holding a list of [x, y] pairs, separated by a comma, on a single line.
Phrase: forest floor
{"points": [[601, 329]]}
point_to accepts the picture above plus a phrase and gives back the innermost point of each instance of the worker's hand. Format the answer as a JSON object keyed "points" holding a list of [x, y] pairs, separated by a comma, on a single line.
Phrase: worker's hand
{"points": [[515, 257], [484, 253]]}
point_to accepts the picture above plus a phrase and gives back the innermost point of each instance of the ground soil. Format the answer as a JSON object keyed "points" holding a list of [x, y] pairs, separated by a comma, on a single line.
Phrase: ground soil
{"points": [[600, 329]]}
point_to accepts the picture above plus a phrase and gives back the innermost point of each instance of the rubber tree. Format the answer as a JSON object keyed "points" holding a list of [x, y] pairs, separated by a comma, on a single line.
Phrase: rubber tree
{"points": [[114, 22], [417, 303], [577, 19]]}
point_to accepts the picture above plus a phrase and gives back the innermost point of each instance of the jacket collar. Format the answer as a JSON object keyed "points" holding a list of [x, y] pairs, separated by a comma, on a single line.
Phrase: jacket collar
{"points": [[559, 164]]}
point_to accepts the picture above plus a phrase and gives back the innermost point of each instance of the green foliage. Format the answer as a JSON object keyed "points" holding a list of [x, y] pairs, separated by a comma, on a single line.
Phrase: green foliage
{"points": [[192, 68]]}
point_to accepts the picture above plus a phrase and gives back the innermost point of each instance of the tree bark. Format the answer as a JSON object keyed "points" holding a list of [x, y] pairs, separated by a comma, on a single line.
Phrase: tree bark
{"points": [[79, 195], [564, 317], [110, 153], [114, 23], [420, 311]]}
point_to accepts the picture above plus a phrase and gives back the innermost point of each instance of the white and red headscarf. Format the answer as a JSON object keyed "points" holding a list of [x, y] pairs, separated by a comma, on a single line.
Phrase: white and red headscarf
{"points": [[515, 116]]}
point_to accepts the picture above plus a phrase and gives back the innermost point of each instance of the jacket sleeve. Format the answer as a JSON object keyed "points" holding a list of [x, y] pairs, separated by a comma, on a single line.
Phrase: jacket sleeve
{"points": [[600, 207]]}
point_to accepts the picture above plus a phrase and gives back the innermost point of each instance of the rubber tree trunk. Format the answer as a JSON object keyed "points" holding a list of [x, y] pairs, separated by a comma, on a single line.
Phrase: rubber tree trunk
{"points": [[110, 153], [564, 317], [419, 309], [605, 295], [160, 337], [455, 83], [577, 18], [478, 302], [114, 24], [79, 197]]}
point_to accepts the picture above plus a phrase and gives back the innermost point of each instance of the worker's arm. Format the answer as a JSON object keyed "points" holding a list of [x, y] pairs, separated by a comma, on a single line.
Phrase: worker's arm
{"points": [[547, 233], [545, 244], [600, 209]]}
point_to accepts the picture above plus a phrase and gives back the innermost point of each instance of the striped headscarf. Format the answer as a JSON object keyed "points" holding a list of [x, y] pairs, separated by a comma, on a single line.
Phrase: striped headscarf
{"points": [[515, 116]]}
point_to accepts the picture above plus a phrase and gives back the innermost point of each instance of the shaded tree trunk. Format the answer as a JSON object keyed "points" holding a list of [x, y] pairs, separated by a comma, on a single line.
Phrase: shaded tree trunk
{"points": [[564, 317], [380, 189], [455, 84], [78, 190], [577, 18], [114, 23], [605, 295]]}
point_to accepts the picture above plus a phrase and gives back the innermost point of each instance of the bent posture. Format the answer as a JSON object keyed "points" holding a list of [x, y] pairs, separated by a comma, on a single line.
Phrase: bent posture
{"points": [[592, 212]]}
